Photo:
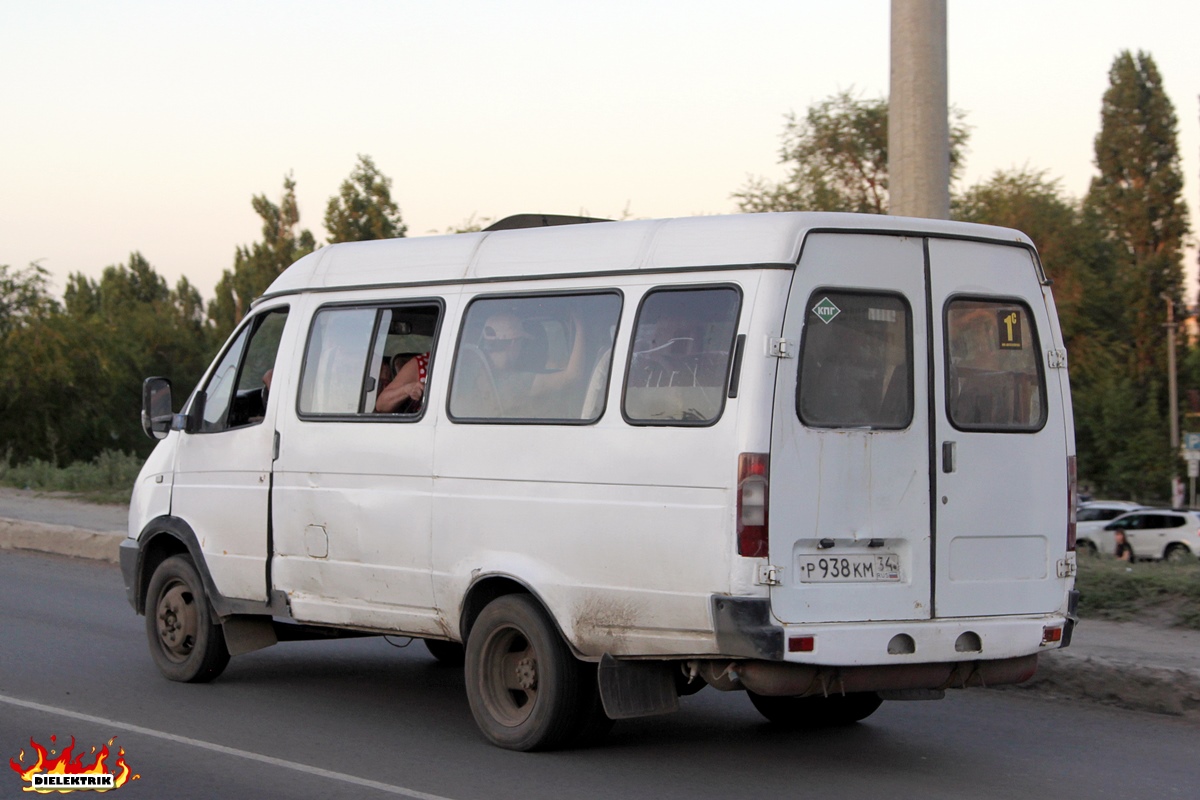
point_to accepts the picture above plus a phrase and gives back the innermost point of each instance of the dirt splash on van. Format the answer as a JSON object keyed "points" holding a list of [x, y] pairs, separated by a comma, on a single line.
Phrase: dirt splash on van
{"points": [[602, 623]]}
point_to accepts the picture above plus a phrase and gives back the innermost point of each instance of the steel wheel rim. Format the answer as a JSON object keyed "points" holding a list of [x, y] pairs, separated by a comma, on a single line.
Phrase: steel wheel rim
{"points": [[510, 676], [177, 620]]}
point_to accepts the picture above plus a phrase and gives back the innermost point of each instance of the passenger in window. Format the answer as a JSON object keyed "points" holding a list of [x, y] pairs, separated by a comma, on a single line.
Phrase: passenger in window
{"points": [[403, 393], [517, 362]]}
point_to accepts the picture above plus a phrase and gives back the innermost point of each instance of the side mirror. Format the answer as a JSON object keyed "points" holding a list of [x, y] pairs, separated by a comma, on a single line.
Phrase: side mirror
{"points": [[1112, 527], [156, 407]]}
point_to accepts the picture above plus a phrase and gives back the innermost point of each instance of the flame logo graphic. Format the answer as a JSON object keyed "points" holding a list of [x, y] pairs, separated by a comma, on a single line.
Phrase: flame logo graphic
{"points": [[67, 763]]}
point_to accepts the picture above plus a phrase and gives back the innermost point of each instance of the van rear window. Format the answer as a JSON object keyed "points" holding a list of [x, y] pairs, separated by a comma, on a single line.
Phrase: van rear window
{"points": [[679, 366], [856, 361], [993, 375]]}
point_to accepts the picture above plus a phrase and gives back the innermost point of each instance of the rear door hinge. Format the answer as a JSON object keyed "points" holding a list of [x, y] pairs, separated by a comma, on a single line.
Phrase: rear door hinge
{"points": [[780, 348], [1056, 359], [769, 575]]}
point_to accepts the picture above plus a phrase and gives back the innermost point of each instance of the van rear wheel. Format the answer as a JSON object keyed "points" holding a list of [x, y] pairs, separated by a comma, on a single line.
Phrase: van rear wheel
{"points": [[523, 683], [186, 643], [817, 712]]}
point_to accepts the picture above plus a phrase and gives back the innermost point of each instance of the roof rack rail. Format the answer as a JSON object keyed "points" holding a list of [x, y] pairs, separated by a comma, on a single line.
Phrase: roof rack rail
{"points": [[539, 221]]}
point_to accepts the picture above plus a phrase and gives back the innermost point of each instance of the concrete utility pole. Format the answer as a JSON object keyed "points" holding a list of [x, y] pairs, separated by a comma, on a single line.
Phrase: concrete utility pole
{"points": [[918, 111], [1177, 497], [1172, 389]]}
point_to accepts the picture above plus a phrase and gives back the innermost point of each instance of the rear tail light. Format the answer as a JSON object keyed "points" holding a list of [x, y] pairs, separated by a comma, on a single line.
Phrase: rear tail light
{"points": [[1072, 498], [752, 505], [1051, 635], [802, 644]]}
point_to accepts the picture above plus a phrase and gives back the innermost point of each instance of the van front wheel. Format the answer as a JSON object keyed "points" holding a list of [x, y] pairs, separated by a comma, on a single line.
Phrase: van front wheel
{"points": [[523, 684], [185, 642], [817, 712]]}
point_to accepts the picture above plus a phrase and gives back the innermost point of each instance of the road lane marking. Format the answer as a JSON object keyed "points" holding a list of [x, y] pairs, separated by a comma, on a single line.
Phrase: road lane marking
{"points": [[220, 748]]}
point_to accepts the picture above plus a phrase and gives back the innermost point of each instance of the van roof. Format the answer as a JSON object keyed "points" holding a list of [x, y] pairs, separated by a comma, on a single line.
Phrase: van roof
{"points": [[732, 241]]}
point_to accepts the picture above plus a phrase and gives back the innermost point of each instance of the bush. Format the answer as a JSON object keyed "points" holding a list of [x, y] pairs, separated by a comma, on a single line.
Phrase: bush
{"points": [[1147, 591], [108, 478]]}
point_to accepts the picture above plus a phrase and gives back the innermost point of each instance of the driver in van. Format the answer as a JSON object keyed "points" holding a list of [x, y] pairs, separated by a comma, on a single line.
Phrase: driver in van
{"points": [[403, 392]]}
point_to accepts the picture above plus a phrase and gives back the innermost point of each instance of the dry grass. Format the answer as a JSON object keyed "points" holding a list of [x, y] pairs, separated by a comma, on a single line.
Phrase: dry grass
{"points": [[1148, 591], [106, 479]]}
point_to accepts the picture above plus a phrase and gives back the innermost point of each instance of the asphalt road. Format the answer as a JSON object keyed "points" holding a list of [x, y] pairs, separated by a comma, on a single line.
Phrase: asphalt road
{"points": [[362, 718]]}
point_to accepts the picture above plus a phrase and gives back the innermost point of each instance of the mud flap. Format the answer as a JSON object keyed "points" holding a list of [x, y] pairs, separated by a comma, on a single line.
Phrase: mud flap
{"points": [[245, 633], [636, 688]]}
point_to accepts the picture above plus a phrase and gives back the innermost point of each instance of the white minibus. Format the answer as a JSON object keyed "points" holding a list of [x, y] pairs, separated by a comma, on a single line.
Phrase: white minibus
{"points": [[824, 459]]}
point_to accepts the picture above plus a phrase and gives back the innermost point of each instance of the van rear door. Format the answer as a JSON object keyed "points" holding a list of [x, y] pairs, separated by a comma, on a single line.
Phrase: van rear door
{"points": [[917, 468], [1000, 434], [849, 485]]}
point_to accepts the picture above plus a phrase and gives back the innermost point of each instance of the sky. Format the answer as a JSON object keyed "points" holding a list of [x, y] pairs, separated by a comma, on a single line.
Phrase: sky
{"points": [[149, 126]]}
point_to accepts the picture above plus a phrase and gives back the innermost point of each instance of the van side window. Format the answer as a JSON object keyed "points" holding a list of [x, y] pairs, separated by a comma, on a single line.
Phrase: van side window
{"points": [[993, 368], [679, 363], [535, 359], [236, 392], [366, 361], [856, 361]]}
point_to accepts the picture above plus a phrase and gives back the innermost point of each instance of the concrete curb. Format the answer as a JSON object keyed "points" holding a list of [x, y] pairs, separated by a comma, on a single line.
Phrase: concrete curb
{"points": [[19, 534], [1117, 682]]}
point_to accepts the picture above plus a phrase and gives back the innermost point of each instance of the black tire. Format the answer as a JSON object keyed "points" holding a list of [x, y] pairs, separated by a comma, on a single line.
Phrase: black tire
{"points": [[450, 654], [185, 642], [1088, 548], [816, 712], [523, 683], [1178, 554]]}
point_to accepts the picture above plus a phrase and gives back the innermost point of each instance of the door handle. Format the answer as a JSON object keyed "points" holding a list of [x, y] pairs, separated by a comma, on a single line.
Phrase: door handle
{"points": [[948, 456]]}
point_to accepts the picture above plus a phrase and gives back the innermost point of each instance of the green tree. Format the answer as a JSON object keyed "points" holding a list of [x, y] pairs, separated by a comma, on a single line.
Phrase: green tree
{"points": [[254, 267], [24, 294], [1137, 202], [363, 209], [837, 159], [34, 360], [115, 332], [1136, 209]]}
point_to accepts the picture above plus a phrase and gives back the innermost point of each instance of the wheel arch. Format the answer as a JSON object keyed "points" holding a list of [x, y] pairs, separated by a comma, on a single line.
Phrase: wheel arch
{"points": [[1176, 547], [160, 539], [168, 536], [483, 589]]}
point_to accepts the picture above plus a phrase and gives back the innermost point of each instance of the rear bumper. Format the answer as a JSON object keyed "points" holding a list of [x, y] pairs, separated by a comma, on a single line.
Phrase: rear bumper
{"points": [[775, 679], [745, 628]]}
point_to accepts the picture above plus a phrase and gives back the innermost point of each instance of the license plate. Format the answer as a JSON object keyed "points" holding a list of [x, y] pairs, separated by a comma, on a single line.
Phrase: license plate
{"points": [[848, 569]]}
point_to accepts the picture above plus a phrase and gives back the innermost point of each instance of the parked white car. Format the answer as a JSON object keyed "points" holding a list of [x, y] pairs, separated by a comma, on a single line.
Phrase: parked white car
{"points": [[1091, 538], [1160, 533]]}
